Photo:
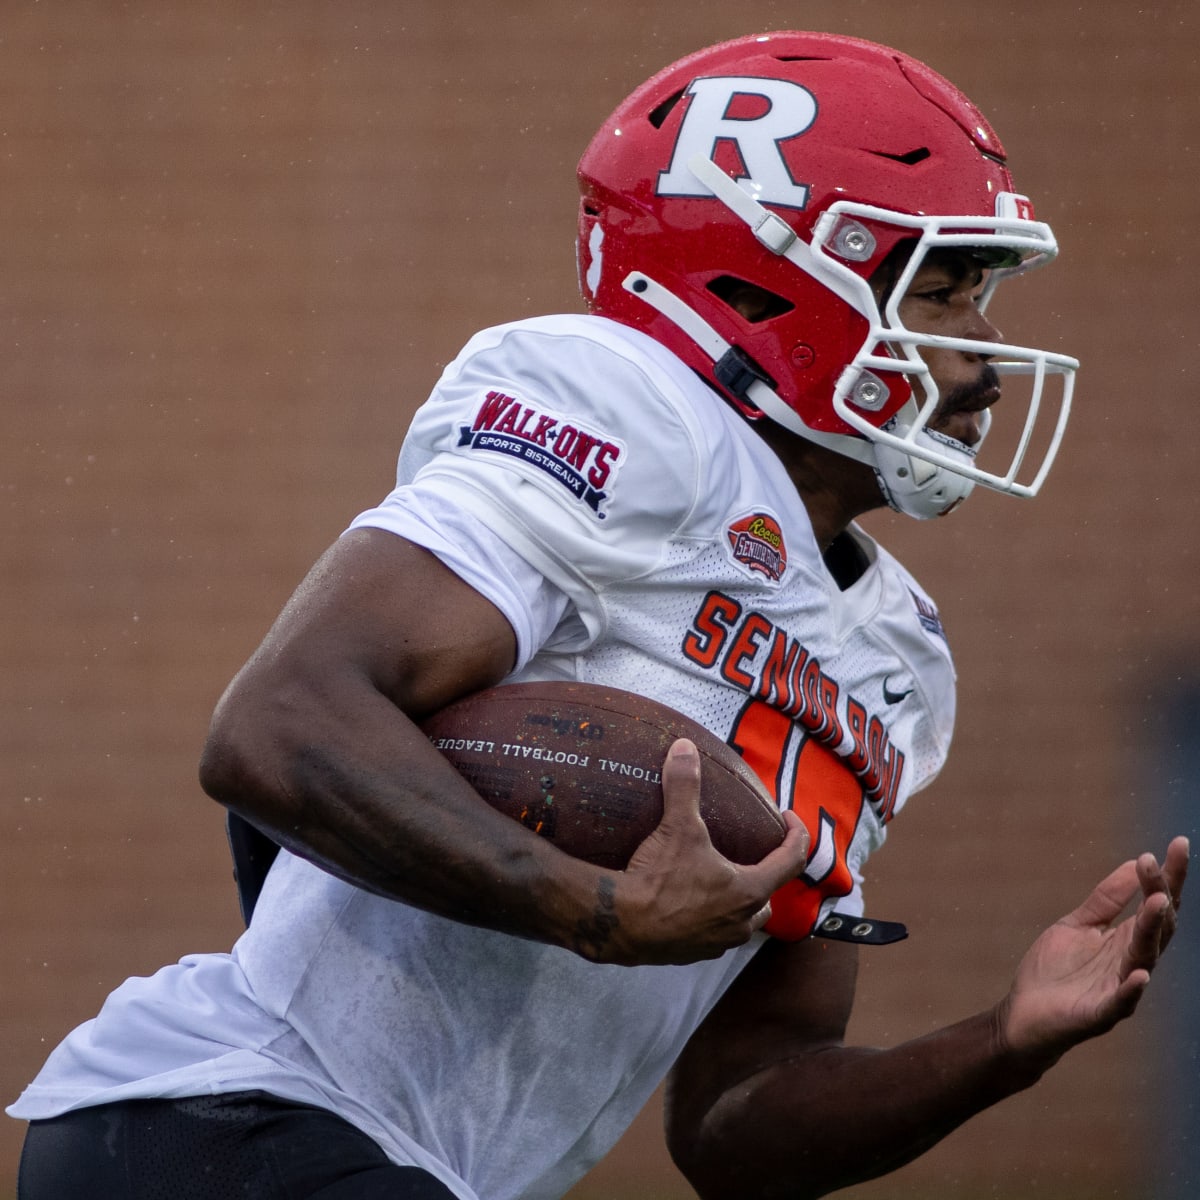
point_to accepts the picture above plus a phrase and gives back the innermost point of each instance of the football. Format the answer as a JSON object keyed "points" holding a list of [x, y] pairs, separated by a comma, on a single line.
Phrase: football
{"points": [[581, 765]]}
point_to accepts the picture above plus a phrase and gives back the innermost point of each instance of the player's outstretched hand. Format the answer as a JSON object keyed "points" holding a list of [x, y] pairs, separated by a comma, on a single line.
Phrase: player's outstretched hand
{"points": [[1088, 971], [680, 901]]}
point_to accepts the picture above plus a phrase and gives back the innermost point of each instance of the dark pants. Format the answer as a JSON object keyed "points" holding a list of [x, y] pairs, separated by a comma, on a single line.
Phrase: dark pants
{"points": [[243, 1146]]}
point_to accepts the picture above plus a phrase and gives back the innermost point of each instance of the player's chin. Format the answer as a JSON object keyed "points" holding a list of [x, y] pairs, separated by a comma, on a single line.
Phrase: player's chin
{"points": [[966, 428]]}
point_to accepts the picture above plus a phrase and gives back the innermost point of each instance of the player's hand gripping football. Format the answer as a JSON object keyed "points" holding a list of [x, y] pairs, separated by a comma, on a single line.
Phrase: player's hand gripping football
{"points": [[1085, 973], [680, 901]]}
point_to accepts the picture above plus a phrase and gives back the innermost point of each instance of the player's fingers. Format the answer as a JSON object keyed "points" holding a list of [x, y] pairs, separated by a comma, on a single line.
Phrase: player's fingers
{"points": [[1175, 868], [761, 917], [1150, 875], [681, 787], [1125, 999], [786, 861], [1167, 881], [1153, 925], [1108, 898]]}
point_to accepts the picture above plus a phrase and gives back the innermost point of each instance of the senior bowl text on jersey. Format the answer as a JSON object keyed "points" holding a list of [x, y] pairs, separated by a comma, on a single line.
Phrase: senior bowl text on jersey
{"points": [[789, 679]]}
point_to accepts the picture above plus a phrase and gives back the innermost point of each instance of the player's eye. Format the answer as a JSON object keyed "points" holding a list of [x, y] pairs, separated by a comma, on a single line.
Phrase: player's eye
{"points": [[936, 295]]}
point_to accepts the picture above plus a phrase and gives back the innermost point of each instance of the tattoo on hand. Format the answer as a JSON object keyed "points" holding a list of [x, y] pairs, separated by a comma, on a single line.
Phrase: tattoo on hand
{"points": [[593, 933]]}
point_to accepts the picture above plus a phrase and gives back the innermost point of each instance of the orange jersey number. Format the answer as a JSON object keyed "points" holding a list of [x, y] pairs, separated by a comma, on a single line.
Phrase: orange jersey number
{"points": [[824, 794]]}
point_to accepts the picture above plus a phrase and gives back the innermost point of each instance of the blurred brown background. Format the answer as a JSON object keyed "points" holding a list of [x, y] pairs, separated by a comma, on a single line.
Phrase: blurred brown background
{"points": [[237, 243]]}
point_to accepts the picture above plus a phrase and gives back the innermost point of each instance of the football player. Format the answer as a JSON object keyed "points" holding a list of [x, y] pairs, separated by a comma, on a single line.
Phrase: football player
{"points": [[787, 245]]}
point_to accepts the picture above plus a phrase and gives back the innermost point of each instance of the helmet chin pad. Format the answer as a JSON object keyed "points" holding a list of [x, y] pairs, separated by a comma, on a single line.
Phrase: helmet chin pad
{"points": [[919, 488]]}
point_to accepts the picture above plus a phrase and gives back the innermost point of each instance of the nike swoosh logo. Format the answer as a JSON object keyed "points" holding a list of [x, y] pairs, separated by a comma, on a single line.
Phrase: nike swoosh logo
{"points": [[890, 697]]}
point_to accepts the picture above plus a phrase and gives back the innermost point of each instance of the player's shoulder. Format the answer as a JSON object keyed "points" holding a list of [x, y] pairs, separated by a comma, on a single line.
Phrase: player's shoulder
{"points": [[587, 410], [534, 341], [586, 364]]}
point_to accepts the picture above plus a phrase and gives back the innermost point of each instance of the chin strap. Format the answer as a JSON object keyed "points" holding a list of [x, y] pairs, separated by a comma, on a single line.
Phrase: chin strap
{"points": [[773, 232], [734, 369]]}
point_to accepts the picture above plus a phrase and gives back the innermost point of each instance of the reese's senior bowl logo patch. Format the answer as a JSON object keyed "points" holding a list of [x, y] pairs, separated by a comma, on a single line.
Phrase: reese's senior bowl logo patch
{"points": [[757, 543], [581, 461]]}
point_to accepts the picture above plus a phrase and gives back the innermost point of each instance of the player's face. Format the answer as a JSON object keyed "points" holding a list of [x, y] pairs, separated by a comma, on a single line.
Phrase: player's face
{"points": [[943, 299]]}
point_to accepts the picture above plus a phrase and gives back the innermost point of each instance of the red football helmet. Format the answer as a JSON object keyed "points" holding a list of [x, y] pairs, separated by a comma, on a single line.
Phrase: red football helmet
{"points": [[796, 162]]}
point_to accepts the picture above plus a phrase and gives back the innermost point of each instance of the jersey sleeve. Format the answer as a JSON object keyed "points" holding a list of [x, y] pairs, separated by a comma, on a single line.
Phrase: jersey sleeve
{"points": [[537, 610], [566, 444]]}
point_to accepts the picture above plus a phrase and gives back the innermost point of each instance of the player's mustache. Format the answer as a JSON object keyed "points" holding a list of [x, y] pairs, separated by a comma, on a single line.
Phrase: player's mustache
{"points": [[972, 397]]}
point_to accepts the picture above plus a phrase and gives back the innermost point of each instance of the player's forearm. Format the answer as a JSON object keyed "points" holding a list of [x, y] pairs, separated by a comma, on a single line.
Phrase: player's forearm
{"points": [[353, 786], [833, 1117]]}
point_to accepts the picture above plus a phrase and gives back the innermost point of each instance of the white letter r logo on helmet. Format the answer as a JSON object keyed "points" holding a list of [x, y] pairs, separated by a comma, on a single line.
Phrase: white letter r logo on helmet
{"points": [[790, 110]]}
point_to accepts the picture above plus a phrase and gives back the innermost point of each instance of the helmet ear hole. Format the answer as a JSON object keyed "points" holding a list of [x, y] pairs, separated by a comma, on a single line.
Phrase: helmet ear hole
{"points": [[751, 302]]}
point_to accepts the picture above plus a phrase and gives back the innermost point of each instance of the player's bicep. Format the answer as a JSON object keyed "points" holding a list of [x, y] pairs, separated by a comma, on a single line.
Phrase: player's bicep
{"points": [[794, 999], [384, 610]]}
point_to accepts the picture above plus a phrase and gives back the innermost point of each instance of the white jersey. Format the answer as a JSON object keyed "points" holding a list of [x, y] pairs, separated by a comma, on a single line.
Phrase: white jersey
{"points": [[636, 532]]}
